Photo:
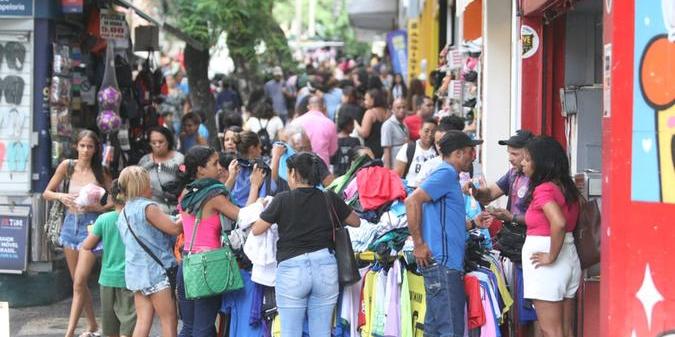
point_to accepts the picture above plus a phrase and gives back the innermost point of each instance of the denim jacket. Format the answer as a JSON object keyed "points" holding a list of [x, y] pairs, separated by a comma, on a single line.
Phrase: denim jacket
{"points": [[142, 271]]}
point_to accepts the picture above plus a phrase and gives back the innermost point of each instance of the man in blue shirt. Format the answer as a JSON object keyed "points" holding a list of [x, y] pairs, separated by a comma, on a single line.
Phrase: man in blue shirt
{"points": [[436, 219]]}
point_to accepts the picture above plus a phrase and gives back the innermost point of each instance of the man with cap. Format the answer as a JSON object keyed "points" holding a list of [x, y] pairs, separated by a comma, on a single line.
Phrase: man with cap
{"points": [[275, 90], [436, 220], [513, 184]]}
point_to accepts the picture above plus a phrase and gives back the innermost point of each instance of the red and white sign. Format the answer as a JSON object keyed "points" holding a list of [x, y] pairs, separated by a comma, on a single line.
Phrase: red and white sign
{"points": [[113, 25]]}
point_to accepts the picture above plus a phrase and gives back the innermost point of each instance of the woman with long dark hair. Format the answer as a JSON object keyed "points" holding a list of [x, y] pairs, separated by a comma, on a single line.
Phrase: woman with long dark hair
{"points": [[370, 128], [263, 116], [307, 278], [202, 170], [551, 269], [162, 163], [85, 170], [350, 104], [398, 89]]}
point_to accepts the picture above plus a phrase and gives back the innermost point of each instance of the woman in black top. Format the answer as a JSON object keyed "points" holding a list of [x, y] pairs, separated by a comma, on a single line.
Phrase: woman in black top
{"points": [[307, 279], [371, 126]]}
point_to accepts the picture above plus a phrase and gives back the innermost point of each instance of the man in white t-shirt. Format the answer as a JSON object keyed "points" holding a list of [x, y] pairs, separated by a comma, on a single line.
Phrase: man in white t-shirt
{"points": [[409, 161]]}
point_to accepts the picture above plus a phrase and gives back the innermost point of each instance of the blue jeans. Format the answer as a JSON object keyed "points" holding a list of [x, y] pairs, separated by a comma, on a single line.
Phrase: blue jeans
{"points": [[445, 299], [74, 229], [307, 285], [198, 316]]}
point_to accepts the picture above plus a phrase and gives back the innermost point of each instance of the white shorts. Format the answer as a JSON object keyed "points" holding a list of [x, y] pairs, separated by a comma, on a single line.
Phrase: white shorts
{"points": [[553, 282]]}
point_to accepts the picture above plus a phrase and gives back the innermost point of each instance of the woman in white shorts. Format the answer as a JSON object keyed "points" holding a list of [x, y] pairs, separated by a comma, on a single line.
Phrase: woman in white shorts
{"points": [[551, 269]]}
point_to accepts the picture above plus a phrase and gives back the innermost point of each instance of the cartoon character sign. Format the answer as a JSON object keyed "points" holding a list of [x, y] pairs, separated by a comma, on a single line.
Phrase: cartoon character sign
{"points": [[653, 168]]}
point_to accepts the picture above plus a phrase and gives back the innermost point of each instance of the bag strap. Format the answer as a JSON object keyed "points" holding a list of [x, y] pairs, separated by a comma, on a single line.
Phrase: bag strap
{"points": [[145, 248], [198, 219], [332, 214], [69, 174], [409, 153]]}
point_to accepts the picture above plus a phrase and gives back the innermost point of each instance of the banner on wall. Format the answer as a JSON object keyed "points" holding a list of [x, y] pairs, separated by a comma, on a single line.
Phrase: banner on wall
{"points": [[16, 8], [72, 6], [397, 43], [414, 52], [14, 225]]}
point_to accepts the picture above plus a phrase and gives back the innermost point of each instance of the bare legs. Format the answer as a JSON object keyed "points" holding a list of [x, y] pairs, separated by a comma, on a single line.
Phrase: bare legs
{"points": [[79, 266], [161, 302], [555, 318]]}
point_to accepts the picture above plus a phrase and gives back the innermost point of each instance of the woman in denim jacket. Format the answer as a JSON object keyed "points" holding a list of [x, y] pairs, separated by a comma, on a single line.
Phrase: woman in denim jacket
{"points": [[143, 220]]}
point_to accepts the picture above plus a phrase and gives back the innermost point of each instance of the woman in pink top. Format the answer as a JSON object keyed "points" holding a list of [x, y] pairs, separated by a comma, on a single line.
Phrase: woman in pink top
{"points": [[551, 269], [202, 170]]}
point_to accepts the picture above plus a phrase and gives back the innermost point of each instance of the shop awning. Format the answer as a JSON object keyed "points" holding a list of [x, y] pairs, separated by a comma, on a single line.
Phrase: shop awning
{"points": [[165, 26], [537, 7], [375, 15]]}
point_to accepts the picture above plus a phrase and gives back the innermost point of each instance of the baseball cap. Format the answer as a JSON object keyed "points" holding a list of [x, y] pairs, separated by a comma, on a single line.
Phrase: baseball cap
{"points": [[277, 71], [454, 140], [519, 140]]}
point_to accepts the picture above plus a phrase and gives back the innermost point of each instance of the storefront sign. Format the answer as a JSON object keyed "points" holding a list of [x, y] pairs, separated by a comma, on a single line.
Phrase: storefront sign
{"points": [[72, 6], [530, 41], [397, 43], [113, 25], [413, 48], [14, 224], [16, 8]]}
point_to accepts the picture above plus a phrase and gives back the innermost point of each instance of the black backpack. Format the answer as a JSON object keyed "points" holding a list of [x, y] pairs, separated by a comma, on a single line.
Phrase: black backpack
{"points": [[410, 153], [265, 139]]}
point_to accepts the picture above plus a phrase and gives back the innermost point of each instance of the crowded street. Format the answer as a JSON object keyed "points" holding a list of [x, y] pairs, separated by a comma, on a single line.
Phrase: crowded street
{"points": [[337, 168]]}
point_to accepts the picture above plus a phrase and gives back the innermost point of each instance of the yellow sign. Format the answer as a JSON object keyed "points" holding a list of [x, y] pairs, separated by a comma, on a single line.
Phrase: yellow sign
{"points": [[413, 48]]}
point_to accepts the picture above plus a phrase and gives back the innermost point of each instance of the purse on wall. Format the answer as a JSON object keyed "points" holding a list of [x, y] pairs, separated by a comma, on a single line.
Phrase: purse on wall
{"points": [[57, 211], [211, 272], [587, 233]]}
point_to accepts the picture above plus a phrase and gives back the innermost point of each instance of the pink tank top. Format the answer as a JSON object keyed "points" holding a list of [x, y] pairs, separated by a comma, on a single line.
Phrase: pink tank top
{"points": [[208, 233]]}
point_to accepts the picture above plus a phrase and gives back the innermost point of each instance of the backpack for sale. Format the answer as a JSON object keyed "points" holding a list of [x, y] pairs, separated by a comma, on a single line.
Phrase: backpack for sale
{"points": [[265, 139]]}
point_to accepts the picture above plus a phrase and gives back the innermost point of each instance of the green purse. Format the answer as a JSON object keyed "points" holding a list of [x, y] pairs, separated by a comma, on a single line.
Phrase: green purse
{"points": [[212, 272]]}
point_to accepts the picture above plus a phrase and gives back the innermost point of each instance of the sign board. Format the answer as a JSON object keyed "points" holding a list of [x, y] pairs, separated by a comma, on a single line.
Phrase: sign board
{"points": [[16, 8], [414, 48], [113, 25], [72, 6], [530, 41], [397, 42], [14, 225], [607, 82]]}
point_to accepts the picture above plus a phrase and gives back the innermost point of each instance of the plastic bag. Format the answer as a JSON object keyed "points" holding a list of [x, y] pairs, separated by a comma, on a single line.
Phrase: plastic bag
{"points": [[59, 92], [90, 194], [109, 96]]}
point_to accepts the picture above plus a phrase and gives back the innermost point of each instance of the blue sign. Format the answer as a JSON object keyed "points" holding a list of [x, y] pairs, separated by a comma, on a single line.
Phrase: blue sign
{"points": [[14, 240], [16, 7], [397, 42]]}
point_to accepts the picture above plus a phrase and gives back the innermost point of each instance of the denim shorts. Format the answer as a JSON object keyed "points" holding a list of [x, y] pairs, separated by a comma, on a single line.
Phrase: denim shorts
{"points": [[163, 284], [446, 299], [74, 229]]}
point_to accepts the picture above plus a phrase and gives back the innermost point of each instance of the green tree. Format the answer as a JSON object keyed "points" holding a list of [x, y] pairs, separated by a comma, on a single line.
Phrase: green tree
{"points": [[247, 24]]}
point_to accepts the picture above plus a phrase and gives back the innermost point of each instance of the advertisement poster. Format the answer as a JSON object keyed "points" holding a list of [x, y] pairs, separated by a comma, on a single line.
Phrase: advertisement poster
{"points": [[397, 43], [14, 225]]}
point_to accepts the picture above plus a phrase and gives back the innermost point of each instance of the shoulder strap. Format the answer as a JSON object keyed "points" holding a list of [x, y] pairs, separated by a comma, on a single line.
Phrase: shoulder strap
{"points": [[334, 219], [145, 248], [409, 153], [198, 219], [69, 174]]}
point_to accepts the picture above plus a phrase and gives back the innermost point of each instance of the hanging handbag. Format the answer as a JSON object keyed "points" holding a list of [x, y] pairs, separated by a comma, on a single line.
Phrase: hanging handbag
{"points": [[587, 233], [211, 272], [57, 212], [348, 271], [170, 272]]}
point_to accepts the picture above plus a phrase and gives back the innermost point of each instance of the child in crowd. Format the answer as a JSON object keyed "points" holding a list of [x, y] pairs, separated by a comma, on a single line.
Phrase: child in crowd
{"points": [[118, 316], [341, 160], [150, 266], [189, 135]]}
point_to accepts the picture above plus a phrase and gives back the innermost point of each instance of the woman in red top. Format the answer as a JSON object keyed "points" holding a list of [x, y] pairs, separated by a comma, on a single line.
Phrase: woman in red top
{"points": [[551, 269]]}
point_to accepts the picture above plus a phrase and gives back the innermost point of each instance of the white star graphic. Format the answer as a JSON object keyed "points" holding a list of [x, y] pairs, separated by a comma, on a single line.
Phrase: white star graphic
{"points": [[648, 295]]}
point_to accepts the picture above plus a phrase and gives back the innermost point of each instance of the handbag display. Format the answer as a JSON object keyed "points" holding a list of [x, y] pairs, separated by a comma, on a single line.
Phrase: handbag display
{"points": [[212, 272], [587, 233], [170, 272], [348, 270], [510, 240], [57, 212]]}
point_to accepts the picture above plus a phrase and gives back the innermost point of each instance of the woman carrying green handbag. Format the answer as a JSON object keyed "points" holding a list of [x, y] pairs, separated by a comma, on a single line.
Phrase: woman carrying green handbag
{"points": [[209, 267]]}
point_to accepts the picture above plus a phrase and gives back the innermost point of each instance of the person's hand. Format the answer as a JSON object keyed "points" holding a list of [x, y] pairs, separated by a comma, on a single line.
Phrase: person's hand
{"points": [[484, 220], [257, 176], [467, 188], [233, 168], [278, 150], [541, 259], [422, 255], [95, 208], [68, 200], [502, 214]]}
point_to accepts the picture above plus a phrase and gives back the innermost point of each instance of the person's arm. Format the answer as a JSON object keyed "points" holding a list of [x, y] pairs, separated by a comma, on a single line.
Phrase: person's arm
{"points": [[484, 193], [353, 219], [364, 129], [413, 207], [223, 205], [556, 218], [233, 171], [278, 150], [401, 160], [386, 157], [161, 221], [90, 242], [256, 178], [260, 226], [51, 193]]}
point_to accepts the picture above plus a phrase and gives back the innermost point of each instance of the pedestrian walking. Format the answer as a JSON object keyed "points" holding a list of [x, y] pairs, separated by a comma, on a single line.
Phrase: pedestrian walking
{"points": [[394, 133], [162, 163], [371, 126]]}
